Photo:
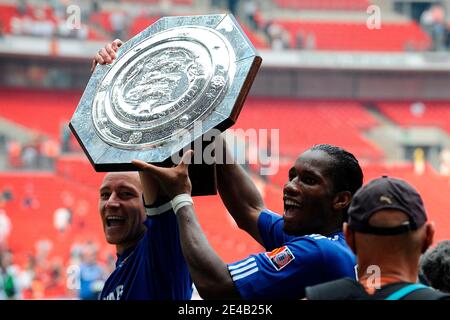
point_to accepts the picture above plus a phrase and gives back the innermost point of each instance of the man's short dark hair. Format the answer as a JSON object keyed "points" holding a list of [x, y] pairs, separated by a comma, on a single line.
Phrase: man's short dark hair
{"points": [[346, 174], [435, 266]]}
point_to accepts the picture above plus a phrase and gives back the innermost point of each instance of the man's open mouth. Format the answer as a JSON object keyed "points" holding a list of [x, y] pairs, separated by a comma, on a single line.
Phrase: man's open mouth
{"points": [[289, 204], [112, 221]]}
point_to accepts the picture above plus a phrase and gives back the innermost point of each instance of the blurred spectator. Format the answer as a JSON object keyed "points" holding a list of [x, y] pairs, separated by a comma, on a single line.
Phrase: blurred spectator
{"points": [[117, 23], [67, 198], [37, 74], [435, 266], [22, 7], [82, 33], [37, 288], [76, 251], [41, 25], [5, 229], [299, 39], [310, 43], [409, 46], [16, 26], [59, 9], [49, 151], [64, 30], [62, 218], [65, 138], [9, 288], [80, 214], [7, 194], [92, 275], [433, 21], [2, 29], [426, 20], [26, 277], [232, 6], [217, 5], [95, 6], [14, 154], [43, 248], [419, 161], [417, 109], [445, 162], [55, 285], [29, 157], [29, 199], [165, 8], [279, 37], [54, 51], [285, 39], [110, 264], [439, 27], [250, 9]]}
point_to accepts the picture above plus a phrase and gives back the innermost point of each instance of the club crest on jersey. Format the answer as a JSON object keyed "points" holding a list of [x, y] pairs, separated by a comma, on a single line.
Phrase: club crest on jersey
{"points": [[280, 257]]}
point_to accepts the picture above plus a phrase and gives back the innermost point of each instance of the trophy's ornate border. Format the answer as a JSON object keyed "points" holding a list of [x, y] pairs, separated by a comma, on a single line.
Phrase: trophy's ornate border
{"points": [[225, 89]]}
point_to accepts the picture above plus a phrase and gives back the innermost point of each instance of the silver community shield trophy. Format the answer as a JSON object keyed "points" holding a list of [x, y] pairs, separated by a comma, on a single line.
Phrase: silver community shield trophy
{"points": [[180, 75]]}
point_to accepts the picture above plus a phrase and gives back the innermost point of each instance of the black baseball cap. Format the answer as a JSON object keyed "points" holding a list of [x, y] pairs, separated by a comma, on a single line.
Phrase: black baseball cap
{"points": [[382, 194]]}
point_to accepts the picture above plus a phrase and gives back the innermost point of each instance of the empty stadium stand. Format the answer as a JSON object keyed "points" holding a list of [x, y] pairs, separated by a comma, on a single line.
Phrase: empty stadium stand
{"points": [[41, 111], [302, 124], [323, 4], [408, 114], [355, 36]]}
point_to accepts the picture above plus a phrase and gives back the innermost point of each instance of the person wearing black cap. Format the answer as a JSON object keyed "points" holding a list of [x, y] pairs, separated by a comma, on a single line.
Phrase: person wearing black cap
{"points": [[388, 231]]}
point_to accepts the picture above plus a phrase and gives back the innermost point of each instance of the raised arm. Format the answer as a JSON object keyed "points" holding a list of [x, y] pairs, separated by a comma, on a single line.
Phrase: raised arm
{"points": [[208, 272], [238, 192]]}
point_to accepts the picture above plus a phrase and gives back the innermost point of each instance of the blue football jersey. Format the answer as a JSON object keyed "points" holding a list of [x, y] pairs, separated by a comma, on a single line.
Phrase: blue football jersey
{"points": [[291, 263], [155, 268]]}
